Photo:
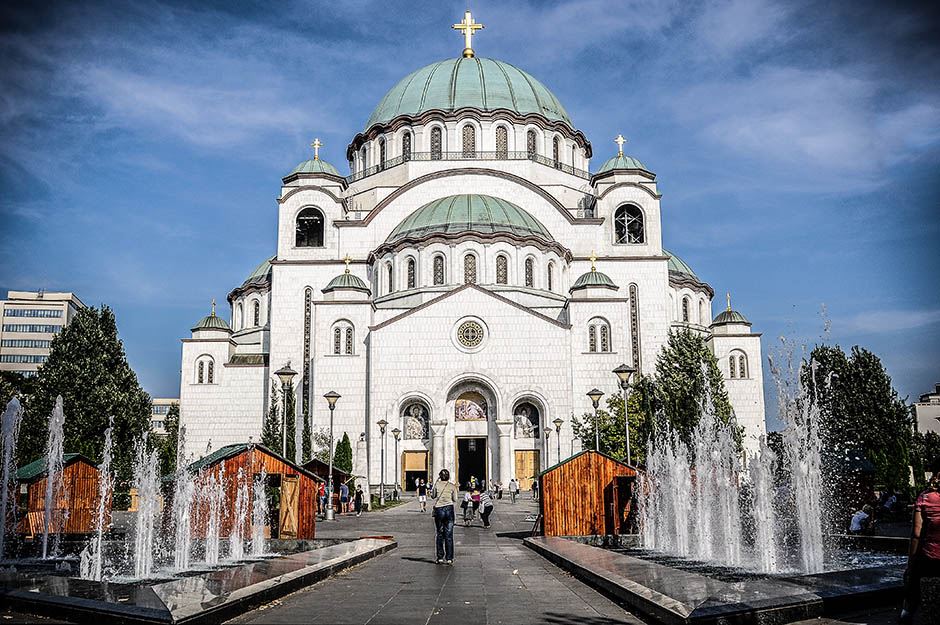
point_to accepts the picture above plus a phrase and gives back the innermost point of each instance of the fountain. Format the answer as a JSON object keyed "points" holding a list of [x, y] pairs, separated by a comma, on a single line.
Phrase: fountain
{"points": [[259, 514], [55, 488], [236, 538], [92, 557], [9, 430], [146, 479], [761, 469], [183, 490], [213, 497]]}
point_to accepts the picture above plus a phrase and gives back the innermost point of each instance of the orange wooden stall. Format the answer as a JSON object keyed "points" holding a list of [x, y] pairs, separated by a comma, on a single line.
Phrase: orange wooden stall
{"points": [[79, 497], [588, 494]]}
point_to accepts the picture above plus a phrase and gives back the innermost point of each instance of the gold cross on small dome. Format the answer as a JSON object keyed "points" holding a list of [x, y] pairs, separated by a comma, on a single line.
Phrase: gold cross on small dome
{"points": [[213, 307], [728, 298], [468, 26], [593, 261], [316, 145], [347, 260], [620, 141]]}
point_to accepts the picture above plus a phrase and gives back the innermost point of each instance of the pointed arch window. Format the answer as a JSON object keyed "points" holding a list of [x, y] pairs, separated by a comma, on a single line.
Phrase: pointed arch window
{"points": [[550, 276], [309, 228], [530, 143], [502, 270], [556, 152], [628, 225], [685, 309], [256, 314], [412, 279], [529, 272], [406, 146], [469, 136], [437, 143], [438, 270], [502, 142], [469, 269]]}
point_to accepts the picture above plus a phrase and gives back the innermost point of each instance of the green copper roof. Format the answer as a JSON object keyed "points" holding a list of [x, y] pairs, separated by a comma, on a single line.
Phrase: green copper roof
{"points": [[315, 166], [261, 274], [471, 212], [678, 265], [211, 322], [37, 468], [621, 161], [485, 84], [730, 316], [593, 278], [347, 281]]}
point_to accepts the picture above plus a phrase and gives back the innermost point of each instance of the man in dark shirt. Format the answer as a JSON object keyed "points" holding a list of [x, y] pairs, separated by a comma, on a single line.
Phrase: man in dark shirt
{"points": [[423, 495]]}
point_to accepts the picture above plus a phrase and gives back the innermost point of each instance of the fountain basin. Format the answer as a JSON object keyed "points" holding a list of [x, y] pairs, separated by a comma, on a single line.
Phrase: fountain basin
{"points": [[675, 596], [210, 596]]}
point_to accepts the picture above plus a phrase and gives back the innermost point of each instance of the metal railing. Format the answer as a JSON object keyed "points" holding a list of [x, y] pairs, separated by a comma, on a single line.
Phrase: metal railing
{"points": [[468, 156]]}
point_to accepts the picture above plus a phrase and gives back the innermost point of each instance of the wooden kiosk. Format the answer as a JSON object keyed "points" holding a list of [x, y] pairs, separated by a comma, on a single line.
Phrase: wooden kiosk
{"points": [[79, 498], [588, 494], [291, 490]]}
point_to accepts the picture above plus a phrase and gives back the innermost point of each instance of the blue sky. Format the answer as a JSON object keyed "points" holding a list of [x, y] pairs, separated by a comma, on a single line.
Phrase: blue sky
{"points": [[797, 146]]}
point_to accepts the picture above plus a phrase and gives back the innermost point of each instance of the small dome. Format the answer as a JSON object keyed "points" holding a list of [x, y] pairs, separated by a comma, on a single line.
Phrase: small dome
{"points": [[347, 281], [471, 212], [677, 265], [593, 278], [621, 161], [315, 166], [730, 316], [211, 322], [480, 83], [261, 274]]}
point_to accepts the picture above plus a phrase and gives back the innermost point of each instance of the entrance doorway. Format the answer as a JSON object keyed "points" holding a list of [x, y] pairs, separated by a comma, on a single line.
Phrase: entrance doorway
{"points": [[414, 467], [527, 467], [471, 460]]}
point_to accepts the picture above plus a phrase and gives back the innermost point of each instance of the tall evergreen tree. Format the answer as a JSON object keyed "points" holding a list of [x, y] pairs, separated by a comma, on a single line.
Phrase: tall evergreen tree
{"points": [[88, 367], [271, 426], [342, 459]]}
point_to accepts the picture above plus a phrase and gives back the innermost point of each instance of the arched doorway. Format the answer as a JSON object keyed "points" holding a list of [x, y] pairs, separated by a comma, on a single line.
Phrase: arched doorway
{"points": [[473, 405], [528, 419]]}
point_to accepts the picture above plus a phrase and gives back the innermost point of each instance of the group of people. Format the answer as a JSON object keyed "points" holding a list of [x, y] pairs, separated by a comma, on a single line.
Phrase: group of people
{"points": [[344, 499]]}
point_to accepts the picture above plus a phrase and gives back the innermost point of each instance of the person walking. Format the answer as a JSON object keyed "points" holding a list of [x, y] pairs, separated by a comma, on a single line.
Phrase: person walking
{"points": [[423, 495], [467, 506], [445, 493], [924, 551], [357, 500], [321, 493], [344, 498], [535, 489], [486, 508], [513, 490]]}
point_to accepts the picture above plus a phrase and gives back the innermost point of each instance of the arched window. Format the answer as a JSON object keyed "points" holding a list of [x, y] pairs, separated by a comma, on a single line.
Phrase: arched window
{"points": [[205, 370], [201, 375], [599, 335], [556, 152], [550, 276], [210, 373], [256, 314], [502, 142], [702, 315], [437, 144], [685, 309], [406, 146], [349, 340], [438, 270], [382, 153], [502, 270], [390, 277], [469, 135], [344, 336], [605, 338], [469, 269], [742, 366], [732, 361], [529, 272], [411, 273], [309, 228], [337, 340], [592, 338], [239, 316], [628, 225], [574, 154], [362, 159], [530, 139]]}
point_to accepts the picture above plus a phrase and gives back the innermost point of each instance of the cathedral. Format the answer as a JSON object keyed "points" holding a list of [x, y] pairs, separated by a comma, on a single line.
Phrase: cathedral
{"points": [[462, 289]]}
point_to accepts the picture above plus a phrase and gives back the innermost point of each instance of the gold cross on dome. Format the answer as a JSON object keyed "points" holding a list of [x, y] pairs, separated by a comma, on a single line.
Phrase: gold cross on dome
{"points": [[728, 298], [468, 26], [316, 145], [620, 141], [593, 261], [347, 260], [213, 307]]}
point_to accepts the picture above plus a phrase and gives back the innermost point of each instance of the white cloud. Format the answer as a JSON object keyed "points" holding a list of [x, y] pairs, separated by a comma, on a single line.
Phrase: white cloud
{"points": [[887, 321], [726, 26]]}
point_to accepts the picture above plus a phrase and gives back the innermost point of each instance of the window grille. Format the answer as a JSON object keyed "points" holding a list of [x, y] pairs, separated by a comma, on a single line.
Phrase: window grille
{"points": [[382, 154], [436, 144], [731, 366], [605, 338], [438, 270], [469, 141], [349, 340], [211, 369], [337, 340], [406, 146], [742, 367], [502, 270], [257, 314], [529, 278], [390, 275], [470, 269], [556, 152], [502, 142], [629, 226], [200, 377], [411, 273], [308, 306], [530, 144], [592, 338], [550, 277], [635, 325], [685, 309]]}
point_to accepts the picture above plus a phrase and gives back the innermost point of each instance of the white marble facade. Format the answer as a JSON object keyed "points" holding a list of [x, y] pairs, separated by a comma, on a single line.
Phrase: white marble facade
{"points": [[401, 347]]}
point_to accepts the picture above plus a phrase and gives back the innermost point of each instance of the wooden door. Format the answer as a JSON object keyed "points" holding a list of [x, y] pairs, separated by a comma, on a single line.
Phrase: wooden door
{"points": [[288, 516], [527, 467]]}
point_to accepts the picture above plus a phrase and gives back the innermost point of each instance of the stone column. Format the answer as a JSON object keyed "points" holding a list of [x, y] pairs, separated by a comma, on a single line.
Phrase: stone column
{"points": [[361, 468], [505, 429], [437, 449]]}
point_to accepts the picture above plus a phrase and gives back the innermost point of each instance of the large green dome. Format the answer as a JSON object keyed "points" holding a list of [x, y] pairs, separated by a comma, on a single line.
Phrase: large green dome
{"points": [[485, 84], [677, 265], [469, 212]]}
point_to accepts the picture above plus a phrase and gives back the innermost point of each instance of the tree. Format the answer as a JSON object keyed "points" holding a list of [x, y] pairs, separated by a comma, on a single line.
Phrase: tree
{"points": [[168, 444], [306, 442], [271, 426], [13, 384], [88, 367], [689, 383], [642, 406], [343, 459], [860, 411]]}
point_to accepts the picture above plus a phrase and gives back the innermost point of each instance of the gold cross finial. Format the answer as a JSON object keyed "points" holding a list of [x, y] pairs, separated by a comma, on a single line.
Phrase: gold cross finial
{"points": [[468, 26], [728, 298], [347, 260], [316, 145], [593, 261], [213, 307], [619, 140]]}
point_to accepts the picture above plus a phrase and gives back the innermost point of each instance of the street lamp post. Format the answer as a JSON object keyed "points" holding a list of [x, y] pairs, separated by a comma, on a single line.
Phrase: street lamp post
{"points": [[558, 423], [397, 434], [331, 398], [382, 425], [285, 374], [624, 373], [548, 457], [595, 396]]}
